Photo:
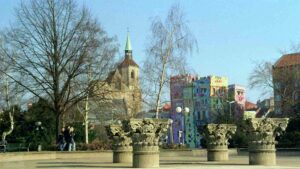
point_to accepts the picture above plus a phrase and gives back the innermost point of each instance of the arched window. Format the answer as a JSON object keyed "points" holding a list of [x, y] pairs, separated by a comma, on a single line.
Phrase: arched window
{"points": [[132, 74]]}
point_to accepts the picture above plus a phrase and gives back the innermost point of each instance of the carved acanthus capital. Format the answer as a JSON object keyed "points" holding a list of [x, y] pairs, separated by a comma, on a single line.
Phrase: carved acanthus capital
{"points": [[264, 130], [119, 135], [218, 134], [147, 131]]}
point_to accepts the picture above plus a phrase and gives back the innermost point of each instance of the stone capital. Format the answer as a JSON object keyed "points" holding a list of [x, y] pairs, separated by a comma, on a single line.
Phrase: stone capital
{"points": [[147, 131], [119, 135], [218, 134], [264, 130]]}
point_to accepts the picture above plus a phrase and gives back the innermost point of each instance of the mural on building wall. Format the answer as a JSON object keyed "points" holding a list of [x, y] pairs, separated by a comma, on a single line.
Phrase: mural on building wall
{"points": [[177, 84], [237, 94], [205, 97], [192, 139], [210, 93]]}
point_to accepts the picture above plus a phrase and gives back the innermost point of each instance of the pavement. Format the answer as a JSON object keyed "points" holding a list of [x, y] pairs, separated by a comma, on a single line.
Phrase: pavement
{"points": [[97, 160]]}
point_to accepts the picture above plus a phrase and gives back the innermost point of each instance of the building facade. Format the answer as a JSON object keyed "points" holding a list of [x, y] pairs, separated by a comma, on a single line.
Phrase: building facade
{"points": [[210, 96], [205, 97], [177, 85], [237, 94], [191, 134], [286, 81]]}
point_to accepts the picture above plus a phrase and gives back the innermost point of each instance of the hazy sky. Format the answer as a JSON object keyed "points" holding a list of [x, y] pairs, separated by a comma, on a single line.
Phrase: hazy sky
{"points": [[231, 34]]}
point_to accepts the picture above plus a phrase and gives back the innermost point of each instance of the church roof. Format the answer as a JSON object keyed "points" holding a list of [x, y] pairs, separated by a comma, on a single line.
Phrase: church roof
{"points": [[288, 60], [111, 75], [127, 62]]}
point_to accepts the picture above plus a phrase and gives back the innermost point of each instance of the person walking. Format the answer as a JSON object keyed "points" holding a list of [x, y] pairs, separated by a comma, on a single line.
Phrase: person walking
{"points": [[73, 144], [61, 140], [67, 138]]}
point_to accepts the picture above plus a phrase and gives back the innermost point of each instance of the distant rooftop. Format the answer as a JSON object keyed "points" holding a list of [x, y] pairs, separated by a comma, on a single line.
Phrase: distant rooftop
{"points": [[288, 60], [250, 106]]}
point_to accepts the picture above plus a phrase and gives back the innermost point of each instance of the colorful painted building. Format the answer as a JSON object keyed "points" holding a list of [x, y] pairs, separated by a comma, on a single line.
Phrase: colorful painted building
{"points": [[201, 93], [205, 97], [192, 137], [210, 94], [177, 84], [237, 93]]}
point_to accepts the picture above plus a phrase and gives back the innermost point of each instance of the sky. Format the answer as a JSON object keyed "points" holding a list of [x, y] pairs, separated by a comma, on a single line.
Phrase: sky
{"points": [[232, 35]]}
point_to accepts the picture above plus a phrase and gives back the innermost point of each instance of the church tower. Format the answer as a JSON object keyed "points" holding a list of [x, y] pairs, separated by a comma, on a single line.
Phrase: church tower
{"points": [[128, 68], [129, 71]]}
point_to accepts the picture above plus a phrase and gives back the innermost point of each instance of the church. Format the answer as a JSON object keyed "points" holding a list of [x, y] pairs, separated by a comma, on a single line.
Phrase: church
{"points": [[123, 84]]}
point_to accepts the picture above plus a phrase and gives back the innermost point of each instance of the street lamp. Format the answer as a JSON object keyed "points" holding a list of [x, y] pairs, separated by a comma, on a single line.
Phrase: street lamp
{"points": [[171, 131], [179, 110], [39, 129], [230, 102]]}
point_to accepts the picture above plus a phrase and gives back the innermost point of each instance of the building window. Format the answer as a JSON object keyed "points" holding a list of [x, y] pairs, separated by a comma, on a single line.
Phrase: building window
{"points": [[132, 74]]}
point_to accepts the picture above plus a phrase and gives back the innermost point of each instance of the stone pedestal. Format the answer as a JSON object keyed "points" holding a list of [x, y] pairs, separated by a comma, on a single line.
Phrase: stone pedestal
{"points": [[145, 138], [122, 154], [262, 133], [217, 136], [122, 148], [145, 156]]}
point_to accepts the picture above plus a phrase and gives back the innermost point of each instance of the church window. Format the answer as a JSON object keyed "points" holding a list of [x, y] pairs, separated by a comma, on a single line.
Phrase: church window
{"points": [[132, 74]]}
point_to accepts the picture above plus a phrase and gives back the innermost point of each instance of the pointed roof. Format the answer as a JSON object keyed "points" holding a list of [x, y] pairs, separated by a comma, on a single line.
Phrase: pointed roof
{"points": [[128, 43], [128, 62]]}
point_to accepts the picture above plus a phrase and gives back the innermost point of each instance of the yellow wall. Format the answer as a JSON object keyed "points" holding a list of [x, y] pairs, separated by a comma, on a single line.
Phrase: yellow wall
{"points": [[219, 81]]}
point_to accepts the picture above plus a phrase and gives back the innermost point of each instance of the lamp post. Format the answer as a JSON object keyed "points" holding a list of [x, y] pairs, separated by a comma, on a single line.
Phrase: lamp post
{"points": [[171, 131], [39, 129], [179, 110], [230, 102]]}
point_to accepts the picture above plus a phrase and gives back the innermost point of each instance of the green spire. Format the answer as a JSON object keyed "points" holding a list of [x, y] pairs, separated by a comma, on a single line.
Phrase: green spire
{"points": [[128, 43]]}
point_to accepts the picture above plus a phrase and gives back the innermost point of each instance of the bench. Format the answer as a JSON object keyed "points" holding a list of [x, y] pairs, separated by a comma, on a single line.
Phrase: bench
{"points": [[18, 147]]}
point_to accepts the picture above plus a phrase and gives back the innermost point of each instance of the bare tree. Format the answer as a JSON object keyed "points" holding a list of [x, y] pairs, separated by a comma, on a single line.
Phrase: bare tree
{"points": [[170, 43], [10, 93], [8, 108], [261, 78], [52, 45]]}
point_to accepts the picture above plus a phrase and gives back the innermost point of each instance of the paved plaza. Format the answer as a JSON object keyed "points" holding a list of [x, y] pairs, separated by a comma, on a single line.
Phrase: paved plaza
{"points": [[96, 160]]}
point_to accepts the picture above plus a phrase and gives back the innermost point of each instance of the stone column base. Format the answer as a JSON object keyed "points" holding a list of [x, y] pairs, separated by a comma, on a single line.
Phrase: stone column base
{"points": [[145, 159], [262, 157], [122, 156], [217, 154]]}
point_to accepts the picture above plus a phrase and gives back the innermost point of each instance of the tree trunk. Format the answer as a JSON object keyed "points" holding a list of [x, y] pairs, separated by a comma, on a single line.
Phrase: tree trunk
{"points": [[6, 133], [86, 120], [161, 83], [57, 129], [11, 118]]}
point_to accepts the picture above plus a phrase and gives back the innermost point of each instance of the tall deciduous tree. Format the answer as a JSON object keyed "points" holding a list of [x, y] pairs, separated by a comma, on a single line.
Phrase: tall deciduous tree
{"points": [[53, 44], [10, 93], [261, 77], [170, 43]]}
